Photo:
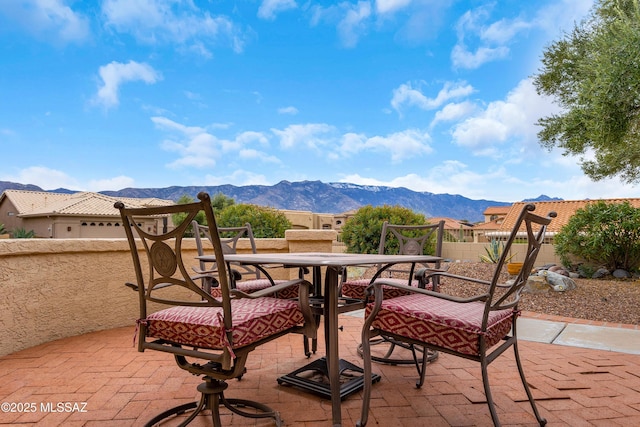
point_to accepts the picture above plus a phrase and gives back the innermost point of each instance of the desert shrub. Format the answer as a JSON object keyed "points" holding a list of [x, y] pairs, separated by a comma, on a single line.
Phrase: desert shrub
{"points": [[265, 222], [601, 234], [361, 233], [22, 233]]}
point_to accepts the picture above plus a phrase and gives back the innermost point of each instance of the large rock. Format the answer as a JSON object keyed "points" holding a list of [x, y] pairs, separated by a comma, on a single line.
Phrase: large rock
{"points": [[558, 282], [536, 285]]}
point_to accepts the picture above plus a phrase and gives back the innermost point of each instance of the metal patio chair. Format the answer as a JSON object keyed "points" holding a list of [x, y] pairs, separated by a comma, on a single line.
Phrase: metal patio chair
{"points": [[245, 278], [411, 240], [208, 336], [471, 328]]}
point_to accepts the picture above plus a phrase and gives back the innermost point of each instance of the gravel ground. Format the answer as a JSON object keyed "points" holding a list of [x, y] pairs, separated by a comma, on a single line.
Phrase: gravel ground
{"points": [[606, 300]]}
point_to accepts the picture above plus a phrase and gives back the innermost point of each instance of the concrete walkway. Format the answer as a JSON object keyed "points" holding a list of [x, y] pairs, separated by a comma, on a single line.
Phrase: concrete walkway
{"points": [[599, 337]]}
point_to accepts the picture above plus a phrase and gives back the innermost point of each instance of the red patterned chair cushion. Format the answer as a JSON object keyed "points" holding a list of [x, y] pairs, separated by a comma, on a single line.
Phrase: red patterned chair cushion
{"points": [[200, 326], [356, 288], [448, 324], [250, 286]]}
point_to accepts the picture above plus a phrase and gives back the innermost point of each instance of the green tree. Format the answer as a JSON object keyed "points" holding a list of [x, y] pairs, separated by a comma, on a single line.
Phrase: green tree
{"points": [[593, 73], [265, 222], [177, 218], [361, 233], [220, 201], [602, 234]]}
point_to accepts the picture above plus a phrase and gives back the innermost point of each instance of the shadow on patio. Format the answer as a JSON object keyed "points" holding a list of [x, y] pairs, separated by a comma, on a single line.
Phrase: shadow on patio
{"points": [[121, 387]]}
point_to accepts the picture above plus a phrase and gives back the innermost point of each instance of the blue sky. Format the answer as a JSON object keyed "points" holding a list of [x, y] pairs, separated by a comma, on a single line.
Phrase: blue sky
{"points": [[432, 95]]}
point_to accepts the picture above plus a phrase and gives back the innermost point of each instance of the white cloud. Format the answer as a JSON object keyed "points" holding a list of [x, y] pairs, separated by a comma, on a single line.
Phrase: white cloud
{"points": [[402, 145], [490, 40], [269, 9], [238, 177], [111, 184], [252, 154], [312, 135], [352, 20], [406, 95], [453, 111], [46, 178], [288, 110], [354, 23], [250, 137], [198, 147], [463, 58], [113, 75], [504, 30], [46, 17], [390, 6], [560, 16], [52, 179], [169, 21], [512, 120]]}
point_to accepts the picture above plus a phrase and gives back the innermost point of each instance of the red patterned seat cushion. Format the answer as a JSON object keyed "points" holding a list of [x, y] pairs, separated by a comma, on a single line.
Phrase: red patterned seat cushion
{"points": [[250, 286], [253, 319], [356, 288], [448, 324]]}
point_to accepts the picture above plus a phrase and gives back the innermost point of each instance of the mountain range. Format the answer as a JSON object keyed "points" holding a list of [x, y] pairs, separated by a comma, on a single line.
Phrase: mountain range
{"points": [[316, 196]]}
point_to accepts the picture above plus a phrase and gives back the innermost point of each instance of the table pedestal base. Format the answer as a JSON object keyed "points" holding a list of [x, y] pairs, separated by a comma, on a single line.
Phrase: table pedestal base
{"points": [[313, 377]]}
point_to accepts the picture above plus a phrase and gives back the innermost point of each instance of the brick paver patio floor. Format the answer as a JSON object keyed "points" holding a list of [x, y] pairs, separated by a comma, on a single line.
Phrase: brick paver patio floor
{"points": [[106, 382]]}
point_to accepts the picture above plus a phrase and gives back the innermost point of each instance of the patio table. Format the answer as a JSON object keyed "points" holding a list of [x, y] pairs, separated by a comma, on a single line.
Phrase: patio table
{"points": [[330, 308]]}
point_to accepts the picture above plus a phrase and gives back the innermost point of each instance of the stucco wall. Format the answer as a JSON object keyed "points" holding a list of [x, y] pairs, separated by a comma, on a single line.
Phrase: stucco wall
{"points": [[472, 251], [56, 288]]}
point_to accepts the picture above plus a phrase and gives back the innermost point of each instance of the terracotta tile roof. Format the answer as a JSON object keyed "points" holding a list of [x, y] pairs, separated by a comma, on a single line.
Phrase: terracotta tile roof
{"points": [[41, 203], [496, 224], [496, 210], [564, 208], [450, 224]]}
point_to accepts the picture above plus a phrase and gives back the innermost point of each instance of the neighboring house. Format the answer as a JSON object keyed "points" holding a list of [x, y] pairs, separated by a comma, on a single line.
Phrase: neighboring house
{"points": [[307, 220], [564, 208], [77, 215], [340, 219], [483, 231], [495, 213], [455, 231]]}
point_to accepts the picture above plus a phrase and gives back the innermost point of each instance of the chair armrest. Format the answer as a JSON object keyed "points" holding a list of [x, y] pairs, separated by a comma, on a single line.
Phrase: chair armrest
{"points": [[200, 271], [443, 273], [132, 286], [379, 294], [137, 288]]}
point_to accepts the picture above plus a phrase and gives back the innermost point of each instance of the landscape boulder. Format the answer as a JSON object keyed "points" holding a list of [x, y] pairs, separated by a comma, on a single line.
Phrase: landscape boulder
{"points": [[558, 282]]}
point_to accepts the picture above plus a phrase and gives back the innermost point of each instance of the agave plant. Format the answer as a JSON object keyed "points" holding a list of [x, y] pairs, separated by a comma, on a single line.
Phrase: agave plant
{"points": [[494, 252], [21, 233]]}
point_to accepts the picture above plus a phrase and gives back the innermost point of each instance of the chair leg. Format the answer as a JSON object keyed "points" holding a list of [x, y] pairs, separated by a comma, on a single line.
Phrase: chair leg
{"points": [[542, 421], [427, 356], [487, 391], [212, 395], [366, 391]]}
